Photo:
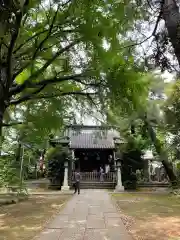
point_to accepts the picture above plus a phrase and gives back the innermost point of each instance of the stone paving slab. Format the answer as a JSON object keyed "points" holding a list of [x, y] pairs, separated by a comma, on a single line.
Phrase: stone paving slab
{"points": [[53, 234], [104, 234], [95, 222], [88, 216]]}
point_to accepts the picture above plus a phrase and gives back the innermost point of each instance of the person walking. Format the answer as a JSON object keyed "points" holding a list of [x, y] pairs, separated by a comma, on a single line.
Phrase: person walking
{"points": [[77, 182]]}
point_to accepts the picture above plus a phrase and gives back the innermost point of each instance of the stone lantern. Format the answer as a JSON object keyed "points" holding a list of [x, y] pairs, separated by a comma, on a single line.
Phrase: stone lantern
{"points": [[119, 186], [65, 186], [148, 158]]}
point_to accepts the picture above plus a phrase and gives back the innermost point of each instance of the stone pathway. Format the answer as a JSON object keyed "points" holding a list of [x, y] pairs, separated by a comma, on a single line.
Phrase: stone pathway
{"points": [[88, 216]]}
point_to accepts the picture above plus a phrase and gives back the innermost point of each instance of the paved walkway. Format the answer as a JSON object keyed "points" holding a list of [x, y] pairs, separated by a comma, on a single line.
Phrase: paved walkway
{"points": [[88, 216]]}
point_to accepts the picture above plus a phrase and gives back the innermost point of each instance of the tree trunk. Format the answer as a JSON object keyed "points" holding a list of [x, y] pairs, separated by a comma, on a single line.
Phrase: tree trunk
{"points": [[171, 16], [133, 129], [2, 111], [162, 154], [19, 147], [18, 152]]}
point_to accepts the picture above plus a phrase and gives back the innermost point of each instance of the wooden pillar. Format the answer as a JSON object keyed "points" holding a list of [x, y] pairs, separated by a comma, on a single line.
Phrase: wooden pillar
{"points": [[73, 159], [114, 158]]}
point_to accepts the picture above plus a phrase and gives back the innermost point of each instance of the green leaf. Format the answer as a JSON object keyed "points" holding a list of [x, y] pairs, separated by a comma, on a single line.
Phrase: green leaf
{"points": [[23, 76]]}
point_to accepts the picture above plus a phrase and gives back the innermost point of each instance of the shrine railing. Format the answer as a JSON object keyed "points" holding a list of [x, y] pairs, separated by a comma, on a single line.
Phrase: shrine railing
{"points": [[95, 177]]}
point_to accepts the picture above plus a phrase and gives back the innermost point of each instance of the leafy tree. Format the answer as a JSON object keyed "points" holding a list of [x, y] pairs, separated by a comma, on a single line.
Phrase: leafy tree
{"points": [[172, 115], [66, 50], [148, 112], [55, 49], [133, 159]]}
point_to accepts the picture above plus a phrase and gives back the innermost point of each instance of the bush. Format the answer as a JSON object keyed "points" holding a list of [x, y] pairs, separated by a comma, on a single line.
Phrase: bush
{"points": [[9, 175], [55, 164], [131, 183]]}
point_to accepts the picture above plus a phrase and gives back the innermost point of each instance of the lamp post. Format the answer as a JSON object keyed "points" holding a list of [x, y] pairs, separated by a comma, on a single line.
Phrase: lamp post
{"points": [[119, 186]]}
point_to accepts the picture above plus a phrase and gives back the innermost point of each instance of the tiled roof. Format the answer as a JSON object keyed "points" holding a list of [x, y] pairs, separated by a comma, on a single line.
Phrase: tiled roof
{"points": [[97, 139]]}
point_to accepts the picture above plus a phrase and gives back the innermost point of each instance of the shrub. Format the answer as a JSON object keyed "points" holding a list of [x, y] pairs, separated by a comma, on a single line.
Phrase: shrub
{"points": [[55, 158], [9, 175]]}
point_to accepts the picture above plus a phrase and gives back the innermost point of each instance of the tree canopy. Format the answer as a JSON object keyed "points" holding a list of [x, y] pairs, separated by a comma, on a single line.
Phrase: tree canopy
{"points": [[58, 57]]}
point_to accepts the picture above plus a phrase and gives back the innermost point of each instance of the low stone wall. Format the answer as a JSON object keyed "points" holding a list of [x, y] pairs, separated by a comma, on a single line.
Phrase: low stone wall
{"points": [[38, 183], [154, 187], [7, 198]]}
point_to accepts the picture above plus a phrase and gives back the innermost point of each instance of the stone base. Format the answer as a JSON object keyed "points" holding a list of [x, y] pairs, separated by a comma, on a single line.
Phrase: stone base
{"points": [[119, 189], [65, 188]]}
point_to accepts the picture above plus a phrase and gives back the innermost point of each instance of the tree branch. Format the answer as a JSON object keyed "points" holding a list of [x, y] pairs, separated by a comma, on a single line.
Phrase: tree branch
{"points": [[15, 32], [48, 34], [11, 124], [19, 88], [38, 97], [31, 95], [11, 47], [28, 40], [50, 61], [152, 34]]}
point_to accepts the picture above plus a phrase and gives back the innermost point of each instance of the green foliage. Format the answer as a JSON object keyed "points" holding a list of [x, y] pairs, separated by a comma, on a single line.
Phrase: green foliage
{"points": [[172, 108], [61, 54], [55, 158], [54, 40], [60, 152], [134, 92], [132, 153], [172, 117], [42, 61], [136, 143], [9, 175]]}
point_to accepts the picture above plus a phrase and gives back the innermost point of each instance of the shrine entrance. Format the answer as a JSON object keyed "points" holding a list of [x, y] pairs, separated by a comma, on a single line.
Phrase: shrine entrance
{"points": [[90, 160]]}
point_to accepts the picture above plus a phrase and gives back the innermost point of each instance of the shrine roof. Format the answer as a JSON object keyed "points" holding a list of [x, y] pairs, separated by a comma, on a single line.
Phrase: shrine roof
{"points": [[92, 137], [89, 137]]}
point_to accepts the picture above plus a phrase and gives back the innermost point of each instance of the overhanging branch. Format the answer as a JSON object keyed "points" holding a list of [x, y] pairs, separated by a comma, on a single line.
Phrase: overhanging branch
{"points": [[38, 97], [28, 40], [153, 34], [76, 78], [50, 61], [31, 95], [11, 124], [28, 82], [47, 36], [11, 47], [19, 88]]}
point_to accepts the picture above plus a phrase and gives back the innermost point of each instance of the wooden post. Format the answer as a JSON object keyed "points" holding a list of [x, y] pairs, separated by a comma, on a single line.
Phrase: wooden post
{"points": [[73, 159]]}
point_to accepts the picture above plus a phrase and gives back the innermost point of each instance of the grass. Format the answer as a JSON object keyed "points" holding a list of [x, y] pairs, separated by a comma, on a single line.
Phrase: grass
{"points": [[24, 220], [150, 216]]}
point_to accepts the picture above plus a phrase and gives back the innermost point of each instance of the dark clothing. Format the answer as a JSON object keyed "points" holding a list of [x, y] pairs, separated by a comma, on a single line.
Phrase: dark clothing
{"points": [[77, 182], [77, 187]]}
